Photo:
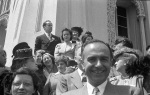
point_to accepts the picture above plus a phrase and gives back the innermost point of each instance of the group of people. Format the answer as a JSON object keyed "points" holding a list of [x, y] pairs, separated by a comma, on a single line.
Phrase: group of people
{"points": [[68, 65], [68, 46]]}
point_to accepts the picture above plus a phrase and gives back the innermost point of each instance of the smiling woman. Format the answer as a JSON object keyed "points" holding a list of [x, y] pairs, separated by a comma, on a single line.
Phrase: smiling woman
{"points": [[65, 48]]}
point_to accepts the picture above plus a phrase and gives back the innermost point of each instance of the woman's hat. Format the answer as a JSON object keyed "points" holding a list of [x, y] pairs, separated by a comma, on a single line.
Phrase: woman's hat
{"points": [[23, 53], [72, 63], [21, 45], [127, 50]]}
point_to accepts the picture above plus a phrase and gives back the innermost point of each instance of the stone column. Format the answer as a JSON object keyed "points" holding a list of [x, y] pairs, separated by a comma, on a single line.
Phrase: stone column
{"points": [[21, 25], [12, 34], [142, 30]]}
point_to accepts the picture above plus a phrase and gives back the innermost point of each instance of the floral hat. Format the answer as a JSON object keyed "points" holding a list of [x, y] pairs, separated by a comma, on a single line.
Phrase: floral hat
{"points": [[126, 50]]}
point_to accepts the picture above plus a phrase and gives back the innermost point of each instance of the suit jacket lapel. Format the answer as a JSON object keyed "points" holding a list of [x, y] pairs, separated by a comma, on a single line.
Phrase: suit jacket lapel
{"points": [[106, 91], [45, 39], [110, 89], [76, 80]]}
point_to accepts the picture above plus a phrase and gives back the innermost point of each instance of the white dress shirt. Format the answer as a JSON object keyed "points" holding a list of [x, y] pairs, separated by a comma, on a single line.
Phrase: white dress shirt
{"points": [[100, 87], [48, 36], [80, 73]]}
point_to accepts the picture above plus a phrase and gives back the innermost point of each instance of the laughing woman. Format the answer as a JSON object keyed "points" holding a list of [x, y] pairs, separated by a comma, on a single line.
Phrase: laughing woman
{"points": [[48, 64], [65, 48], [53, 78]]}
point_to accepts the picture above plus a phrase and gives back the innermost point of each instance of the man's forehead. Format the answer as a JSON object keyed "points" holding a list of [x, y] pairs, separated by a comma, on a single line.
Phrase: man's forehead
{"points": [[96, 46]]}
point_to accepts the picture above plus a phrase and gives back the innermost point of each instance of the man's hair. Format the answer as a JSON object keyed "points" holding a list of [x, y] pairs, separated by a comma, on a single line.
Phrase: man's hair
{"points": [[78, 29], [88, 33], [96, 41], [125, 42], [44, 24]]}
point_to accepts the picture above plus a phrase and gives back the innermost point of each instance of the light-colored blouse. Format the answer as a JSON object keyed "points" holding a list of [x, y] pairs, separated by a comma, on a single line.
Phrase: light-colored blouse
{"points": [[118, 80], [136, 81], [65, 49]]}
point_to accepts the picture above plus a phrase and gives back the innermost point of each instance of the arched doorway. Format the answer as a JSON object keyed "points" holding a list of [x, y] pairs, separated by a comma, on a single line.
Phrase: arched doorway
{"points": [[111, 23]]}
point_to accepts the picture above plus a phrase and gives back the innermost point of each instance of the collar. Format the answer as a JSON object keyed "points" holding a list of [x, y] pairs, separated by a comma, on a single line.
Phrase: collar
{"points": [[100, 87], [57, 73], [80, 73], [48, 35]]}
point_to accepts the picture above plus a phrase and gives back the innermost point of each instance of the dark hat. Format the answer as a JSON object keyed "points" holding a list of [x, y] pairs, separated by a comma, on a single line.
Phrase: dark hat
{"points": [[78, 29], [21, 45], [23, 53], [72, 63]]}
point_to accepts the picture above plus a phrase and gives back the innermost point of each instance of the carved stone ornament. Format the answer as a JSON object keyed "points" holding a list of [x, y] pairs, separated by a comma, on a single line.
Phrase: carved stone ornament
{"points": [[139, 7], [111, 22], [4, 20]]}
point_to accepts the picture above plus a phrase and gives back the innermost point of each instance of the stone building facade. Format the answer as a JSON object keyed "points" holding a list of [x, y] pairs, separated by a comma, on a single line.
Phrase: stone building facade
{"points": [[106, 19]]}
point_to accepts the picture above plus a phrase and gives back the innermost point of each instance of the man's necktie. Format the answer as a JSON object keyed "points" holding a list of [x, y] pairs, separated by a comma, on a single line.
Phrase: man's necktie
{"points": [[49, 37], [95, 91], [84, 80]]}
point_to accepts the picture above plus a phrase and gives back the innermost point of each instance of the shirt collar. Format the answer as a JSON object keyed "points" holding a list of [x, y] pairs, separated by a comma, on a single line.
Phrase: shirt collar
{"points": [[100, 87], [51, 35], [57, 73], [80, 73], [47, 34]]}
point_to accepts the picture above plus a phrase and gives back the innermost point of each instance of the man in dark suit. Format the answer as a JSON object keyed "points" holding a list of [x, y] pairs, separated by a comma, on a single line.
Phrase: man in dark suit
{"points": [[47, 41], [97, 57]]}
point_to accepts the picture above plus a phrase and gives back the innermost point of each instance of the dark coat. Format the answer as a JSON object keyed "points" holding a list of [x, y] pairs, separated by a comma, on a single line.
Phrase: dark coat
{"points": [[42, 42]]}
